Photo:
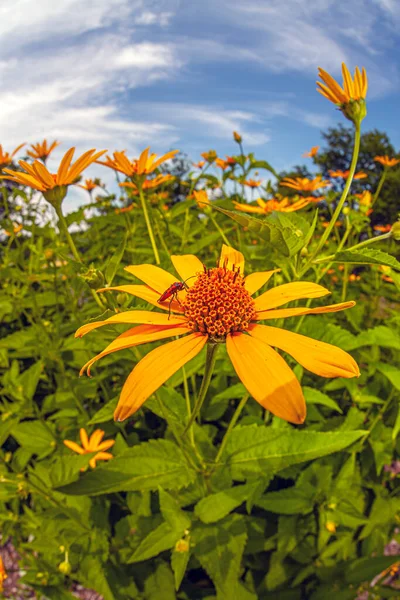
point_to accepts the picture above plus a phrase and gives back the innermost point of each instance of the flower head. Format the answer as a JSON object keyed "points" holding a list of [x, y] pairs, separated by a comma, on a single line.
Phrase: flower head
{"points": [[382, 228], [252, 183], [42, 150], [365, 198], [6, 158], [303, 184], [218, 307], [3, 574], [351, 97], [210, 156], [200, 164], [221, 163], [53, 185], [237, 137], [147, 184], [268, 206], [92, 444], [201, 198], [144, 165], [17, 227], [386, 161], [231, 160], [313, 152], [89, 185], [345, 174]]}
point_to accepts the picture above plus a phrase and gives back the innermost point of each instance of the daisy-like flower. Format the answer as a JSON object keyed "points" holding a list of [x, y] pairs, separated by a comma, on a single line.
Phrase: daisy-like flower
{"points": [[89, 185], [313, 152], [252, 183], [3, 574], [303, 184], [383, 228], [351, 97], [6, 158], [125, 209], [231, 160], [221, 163], [267, 206], [201, 198], [345, 174], [218, 307], [210, 156], [147, 184], [200, 164], [53, 185], [17, 227], [386, 161], [145, 164], [92, 444], [42, 150]]}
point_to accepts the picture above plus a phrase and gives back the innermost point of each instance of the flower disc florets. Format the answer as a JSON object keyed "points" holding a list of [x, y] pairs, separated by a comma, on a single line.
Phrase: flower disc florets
{"points": [[218, 303]]}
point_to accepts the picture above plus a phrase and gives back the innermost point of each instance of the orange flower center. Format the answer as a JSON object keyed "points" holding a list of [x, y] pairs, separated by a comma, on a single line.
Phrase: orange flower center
{"points": [[218, 303]]}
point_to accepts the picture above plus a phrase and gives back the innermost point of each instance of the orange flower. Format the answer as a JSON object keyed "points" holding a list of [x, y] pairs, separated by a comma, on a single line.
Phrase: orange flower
{"points": [[303, 184], [209, 156], [3, 574], [92, 444], [354, 277], [337, 224], [148, 184], [383, 228], [17, 227], [221, 163], [6, 158], [268, 206], [386, 161], [144, 165], [218, 307], [252, 183], [314, 198], [353, 89], [231, 160], [199, 165], [386, 273], [365, 198], [125, 209], [89, 185], [313, 152], [53, 186], [201, 198], [42, 151], [237, 137], [345, 174]]}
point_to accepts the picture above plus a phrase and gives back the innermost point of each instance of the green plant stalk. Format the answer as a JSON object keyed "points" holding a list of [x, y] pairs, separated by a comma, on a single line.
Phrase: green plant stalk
{"points": [[148, 222], [378, 238], [380, 184], [208, 371], [231, 425], [335, 216], [220, 231]]}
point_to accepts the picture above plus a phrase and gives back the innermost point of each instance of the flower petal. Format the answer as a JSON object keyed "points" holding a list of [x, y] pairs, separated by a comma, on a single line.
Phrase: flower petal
{"points": [[155, 277], [95, 439], [231, 258], [64, 166], [318, 357], [132, 317], [105, 445], [146, 293], [143, 334], [154, 370], [267, 377], [84, 438], [74, 446], [289, 291], [303, 310], [188, 266], [255, 281]]}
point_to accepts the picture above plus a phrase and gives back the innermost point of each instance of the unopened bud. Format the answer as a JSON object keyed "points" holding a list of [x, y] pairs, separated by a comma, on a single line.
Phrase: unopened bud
{"points": [[304, 251], [396, 231], [121, 298], [94, 278], [237, 137], [65, 567], [182, 546], [346, 210], [330, 526]]}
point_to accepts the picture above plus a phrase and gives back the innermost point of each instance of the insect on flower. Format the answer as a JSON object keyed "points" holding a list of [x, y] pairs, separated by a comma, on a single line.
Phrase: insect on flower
{"points": [[172, 293]]}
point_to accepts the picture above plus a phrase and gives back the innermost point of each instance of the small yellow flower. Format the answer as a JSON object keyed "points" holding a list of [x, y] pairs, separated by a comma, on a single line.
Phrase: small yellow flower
{"points": [[3, 574], [209, 156], [218, 307], [351, 97], [265, 207], [303, 184], [6, 158], [386, 161], [313, 152], [201, 198], [365, 198], [330, 526], [42, 151], [92, 444]]}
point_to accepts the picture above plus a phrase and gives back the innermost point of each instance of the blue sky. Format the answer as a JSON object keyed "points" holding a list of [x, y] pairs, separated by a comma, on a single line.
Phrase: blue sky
{"points": [[124, 74]]}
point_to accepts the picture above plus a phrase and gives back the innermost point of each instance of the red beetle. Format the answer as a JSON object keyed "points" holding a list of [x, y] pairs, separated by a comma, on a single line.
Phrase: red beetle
{"points": [[172, 292]]}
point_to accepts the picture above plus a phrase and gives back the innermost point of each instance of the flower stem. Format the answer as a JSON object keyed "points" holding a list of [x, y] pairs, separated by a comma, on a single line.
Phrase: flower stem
{"points": [[208, 371], [148, 222], [231, 425], [335, 216], [220, 231], [380, 184]]}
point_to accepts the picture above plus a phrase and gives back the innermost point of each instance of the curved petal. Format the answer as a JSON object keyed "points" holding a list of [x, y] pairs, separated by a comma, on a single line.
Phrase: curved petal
{"points": [[249, 208], [84, 438], [188, 266], [143, 334], [255, 281], [146, 293], [100, 456], [105, 445], [231, 258], [153, 276], [64, 165], [154, 370], [133, 317], [95, 439], [267, 377], [289, 291], [74, 446], [303, 310], [318, 357]]}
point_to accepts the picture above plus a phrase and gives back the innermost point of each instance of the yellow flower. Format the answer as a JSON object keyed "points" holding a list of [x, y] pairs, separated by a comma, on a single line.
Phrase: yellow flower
{"points": [[92, 444], [3, 574], [382, 228], [253, 183], [42, 151], [148, 183], [89, 185], [6, 158], [218, 307], [313, 152], [345, 174], [144, 165], [268, 206], [303, 184], [209, 156], [53, 186], [386, 161], [351, 97], [17, 227], [365, 198], [201, 198]]}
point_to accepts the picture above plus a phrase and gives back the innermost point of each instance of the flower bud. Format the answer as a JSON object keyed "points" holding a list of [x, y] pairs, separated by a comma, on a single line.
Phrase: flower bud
{"points": [[346, 210], [94, 278], [182, 546], [237, 137], [65, 567], [396, 231], [330, 526]]}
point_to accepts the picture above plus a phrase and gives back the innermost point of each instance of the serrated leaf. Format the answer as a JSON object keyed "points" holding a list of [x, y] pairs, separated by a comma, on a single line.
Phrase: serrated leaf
{"points": [[176, 518], [392, 372], [253, 449], [314, 396], [290, 501], [381, 336], [179, 563], [106, 413], [160, 539], [367, 256], [114, 261], [160, 584], [142, 467], [365, 569], [35, 437], [216, 506]]}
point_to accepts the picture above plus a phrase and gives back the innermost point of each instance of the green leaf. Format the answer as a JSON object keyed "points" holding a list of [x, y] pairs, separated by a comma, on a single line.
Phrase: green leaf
{"points": [[176, 518], [30, 379], [143, 467], [380, 336], [160, 539], [367, 256], [179, 563], [35, 437], [263, 164], [314, 396], [67, 468], [290, 501], [365, 569], [160, 584], [114, 261], [216, 506], [254, 449], [106, 413], [396, 427], [392, 372]]}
